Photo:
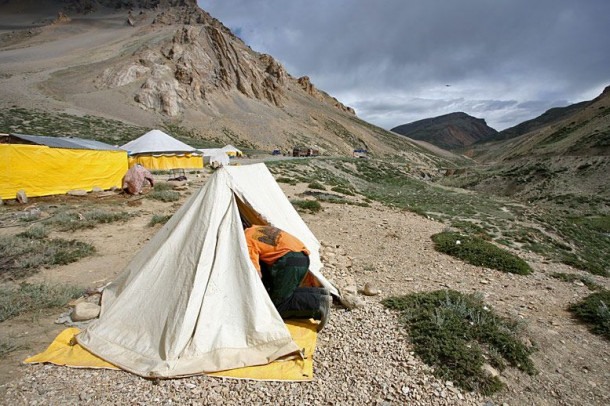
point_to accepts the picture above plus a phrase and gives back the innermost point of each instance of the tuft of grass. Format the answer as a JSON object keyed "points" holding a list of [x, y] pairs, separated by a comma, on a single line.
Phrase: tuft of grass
{"points": [[159, 219], [311, 206], [570, 277], [163, 192], [457, 334], [37, 232], [72, 220], [595, 311], [343, 190], [161, 186], [10, 344], [31, 297], [316, 185], [477, 251], [290, 181], [21, 256], [164, 195]]}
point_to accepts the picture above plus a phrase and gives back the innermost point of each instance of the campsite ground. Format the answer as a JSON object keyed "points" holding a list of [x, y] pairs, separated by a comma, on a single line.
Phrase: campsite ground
{"points": [[363, 356]]}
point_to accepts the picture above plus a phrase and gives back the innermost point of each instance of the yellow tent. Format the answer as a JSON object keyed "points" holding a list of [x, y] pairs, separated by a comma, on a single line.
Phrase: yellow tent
{"points": [[43, 166], [157, 150]]}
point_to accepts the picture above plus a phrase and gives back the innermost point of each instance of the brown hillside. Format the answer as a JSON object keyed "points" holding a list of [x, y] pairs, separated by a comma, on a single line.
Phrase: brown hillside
{"points": [[450, 131], [177, 64]]}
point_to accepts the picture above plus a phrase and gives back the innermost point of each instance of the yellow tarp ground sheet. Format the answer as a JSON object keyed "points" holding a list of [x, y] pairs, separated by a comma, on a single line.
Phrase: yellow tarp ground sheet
{"points": [[43, 171], [63, 351], [157, 162]]}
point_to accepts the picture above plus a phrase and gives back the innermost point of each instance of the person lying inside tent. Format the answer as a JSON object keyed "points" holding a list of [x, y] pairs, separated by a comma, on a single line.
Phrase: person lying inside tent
{"points": [[282, 262]]}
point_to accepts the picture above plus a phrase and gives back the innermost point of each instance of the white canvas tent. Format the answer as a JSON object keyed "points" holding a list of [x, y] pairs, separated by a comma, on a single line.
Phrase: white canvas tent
{"points": [[191, 300], [156, 142], [231, 150], [215, 157]]}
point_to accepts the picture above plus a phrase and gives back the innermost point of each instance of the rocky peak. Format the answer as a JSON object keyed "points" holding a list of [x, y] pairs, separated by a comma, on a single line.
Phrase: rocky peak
{"points": [[450, 131], [203, 57]]}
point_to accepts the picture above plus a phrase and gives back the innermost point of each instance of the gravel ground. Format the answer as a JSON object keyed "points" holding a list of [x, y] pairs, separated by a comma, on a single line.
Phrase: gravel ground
{"points": [[363, 356]]}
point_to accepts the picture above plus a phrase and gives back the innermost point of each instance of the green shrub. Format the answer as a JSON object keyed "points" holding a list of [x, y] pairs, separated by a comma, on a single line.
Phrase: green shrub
{"points": [[343, 190], [286, 180], [164, 195], [37, 232], [477, 251], [30, 297], [21, 256], [159, 219], [316, 185], [457, 334], [311, 206], [72, 220], [595, 311], [63, 252], [161, 186]]}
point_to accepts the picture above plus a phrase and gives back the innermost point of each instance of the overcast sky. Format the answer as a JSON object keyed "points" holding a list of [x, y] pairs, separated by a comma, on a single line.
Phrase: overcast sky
{"points": [[398, 61]]}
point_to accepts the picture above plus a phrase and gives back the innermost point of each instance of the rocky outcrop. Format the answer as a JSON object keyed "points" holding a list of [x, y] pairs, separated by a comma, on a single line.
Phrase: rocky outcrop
{"points": [[311, 90], [202, 58]]}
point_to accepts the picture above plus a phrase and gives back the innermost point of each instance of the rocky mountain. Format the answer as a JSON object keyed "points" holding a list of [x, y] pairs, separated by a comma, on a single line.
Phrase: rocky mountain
{"points": [[450, 131], [564, 157], [148, 62]]}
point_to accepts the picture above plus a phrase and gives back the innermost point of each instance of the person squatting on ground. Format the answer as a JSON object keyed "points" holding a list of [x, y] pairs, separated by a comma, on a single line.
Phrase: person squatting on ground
{"points": [[282, 262]]}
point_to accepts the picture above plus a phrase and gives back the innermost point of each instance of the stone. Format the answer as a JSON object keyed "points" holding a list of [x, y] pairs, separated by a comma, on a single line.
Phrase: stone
{"points": [[85, 311], [579, 283], [77, 192], [370, 289], [352, 302], [22, 197], [97, 189], [350, 290], [490, 371]]}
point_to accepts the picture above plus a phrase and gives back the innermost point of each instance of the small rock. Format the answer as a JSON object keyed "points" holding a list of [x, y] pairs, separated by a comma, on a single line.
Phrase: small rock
{"points": [[370, 289], [77, 192], [489, 370], [97, 189], [352, 301], [579, 283], [22, 197], [350, 290], [85, 311]]}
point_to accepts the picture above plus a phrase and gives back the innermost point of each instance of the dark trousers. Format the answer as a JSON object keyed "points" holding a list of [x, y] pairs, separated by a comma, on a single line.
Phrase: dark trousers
{"points": [[282, 280], [304, 303]]}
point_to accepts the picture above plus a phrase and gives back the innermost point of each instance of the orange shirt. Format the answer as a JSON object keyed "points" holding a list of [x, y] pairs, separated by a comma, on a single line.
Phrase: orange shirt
{"points": [[268, 244]]}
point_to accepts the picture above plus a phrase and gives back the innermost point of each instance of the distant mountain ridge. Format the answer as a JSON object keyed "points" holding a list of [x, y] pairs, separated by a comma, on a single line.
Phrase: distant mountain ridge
{"points": [[450, 131], [581, 129]]}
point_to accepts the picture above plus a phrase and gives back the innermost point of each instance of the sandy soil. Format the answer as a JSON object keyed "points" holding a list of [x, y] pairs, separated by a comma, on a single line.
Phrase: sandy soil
{"points": [[391, 249]]}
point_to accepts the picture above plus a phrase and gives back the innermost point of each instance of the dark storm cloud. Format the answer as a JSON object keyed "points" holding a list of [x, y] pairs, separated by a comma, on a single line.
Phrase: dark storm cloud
{"points": [[397, 61]]}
